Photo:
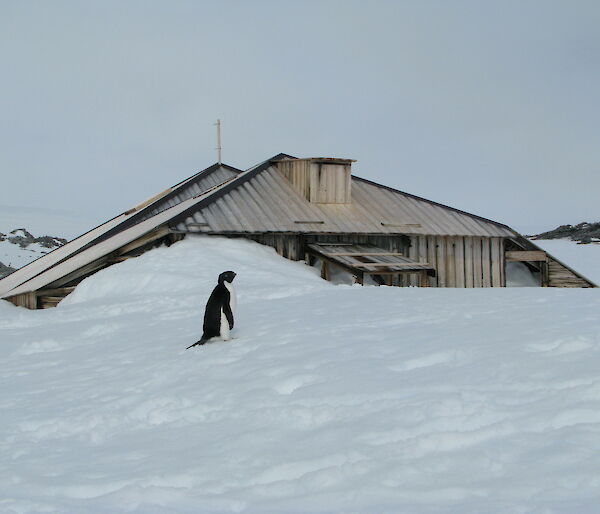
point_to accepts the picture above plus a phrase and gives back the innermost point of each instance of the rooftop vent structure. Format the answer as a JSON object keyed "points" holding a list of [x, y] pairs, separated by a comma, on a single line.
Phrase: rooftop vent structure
{"points": [[319, 179]]}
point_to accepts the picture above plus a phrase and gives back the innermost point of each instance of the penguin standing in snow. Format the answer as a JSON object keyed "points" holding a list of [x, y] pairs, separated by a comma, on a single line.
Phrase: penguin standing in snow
{"points": [[218, 315]]}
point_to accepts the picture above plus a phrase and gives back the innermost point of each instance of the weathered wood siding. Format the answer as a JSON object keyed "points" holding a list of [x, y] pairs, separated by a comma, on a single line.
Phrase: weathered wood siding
{"points": [[458, 261], [27, 300], [330, 183], [319, 182], [559, 276], [298, 173], [461, 261]]}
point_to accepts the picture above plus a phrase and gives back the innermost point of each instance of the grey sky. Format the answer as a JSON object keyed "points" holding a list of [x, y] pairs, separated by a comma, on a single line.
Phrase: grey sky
{"points": [[491, 107]]}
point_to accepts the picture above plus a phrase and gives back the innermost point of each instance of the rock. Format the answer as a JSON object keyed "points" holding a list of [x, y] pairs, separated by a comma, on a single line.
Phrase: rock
{"points": [[29, 248], [24, 238], [583, 232], [5, 270]]}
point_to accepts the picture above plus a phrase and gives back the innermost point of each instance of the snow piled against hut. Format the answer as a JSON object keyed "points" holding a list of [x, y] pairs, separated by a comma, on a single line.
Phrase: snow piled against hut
{"points": [[329, 399]]}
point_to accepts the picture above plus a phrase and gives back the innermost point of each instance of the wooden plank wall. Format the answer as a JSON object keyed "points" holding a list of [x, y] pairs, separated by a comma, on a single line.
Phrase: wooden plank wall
{"points": [[318, 182], [289, 246], [461, 261], [559, 276], [330, 183], [27, 300], [298, 173]]}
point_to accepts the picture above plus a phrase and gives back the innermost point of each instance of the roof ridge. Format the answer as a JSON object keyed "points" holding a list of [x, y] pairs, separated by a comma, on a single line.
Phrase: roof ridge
{"points": [[229, 186], [432, 202]]}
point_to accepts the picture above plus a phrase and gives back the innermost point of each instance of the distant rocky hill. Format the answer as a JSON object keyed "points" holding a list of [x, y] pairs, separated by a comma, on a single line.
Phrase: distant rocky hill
{"points": [[583, 233], [19, 247]]}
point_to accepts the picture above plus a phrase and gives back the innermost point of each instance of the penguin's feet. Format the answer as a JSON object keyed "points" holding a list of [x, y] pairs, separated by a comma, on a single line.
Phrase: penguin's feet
{"points": [[197, 343]]}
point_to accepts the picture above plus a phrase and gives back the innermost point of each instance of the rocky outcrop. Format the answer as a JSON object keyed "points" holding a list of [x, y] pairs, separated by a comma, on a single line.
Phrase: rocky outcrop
{"points": [[6, 270], [583, 233], [24, 238], [28, 247]]}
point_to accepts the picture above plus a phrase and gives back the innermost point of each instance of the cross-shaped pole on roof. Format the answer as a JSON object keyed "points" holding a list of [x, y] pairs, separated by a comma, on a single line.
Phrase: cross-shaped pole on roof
{"points": [[218, 125]]}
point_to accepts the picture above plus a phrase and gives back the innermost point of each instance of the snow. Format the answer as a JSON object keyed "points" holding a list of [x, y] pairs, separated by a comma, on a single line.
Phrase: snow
{"points": [[330, 398], [518, 275]]}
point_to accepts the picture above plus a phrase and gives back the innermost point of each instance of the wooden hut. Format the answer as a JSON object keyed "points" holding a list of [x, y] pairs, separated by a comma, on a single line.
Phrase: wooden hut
{"points": [[307, 209]]}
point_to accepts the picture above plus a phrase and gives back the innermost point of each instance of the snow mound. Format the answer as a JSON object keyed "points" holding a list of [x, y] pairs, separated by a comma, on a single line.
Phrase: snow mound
{"points": [[329, 399], [194, 265]]}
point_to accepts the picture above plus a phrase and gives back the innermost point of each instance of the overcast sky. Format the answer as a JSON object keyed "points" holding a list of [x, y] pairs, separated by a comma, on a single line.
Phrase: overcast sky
{"points": [[490, 107]]}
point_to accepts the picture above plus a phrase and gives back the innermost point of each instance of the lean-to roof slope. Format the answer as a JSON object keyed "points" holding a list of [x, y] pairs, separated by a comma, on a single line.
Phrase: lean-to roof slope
{"points": [[262, 200], [178, 194]]}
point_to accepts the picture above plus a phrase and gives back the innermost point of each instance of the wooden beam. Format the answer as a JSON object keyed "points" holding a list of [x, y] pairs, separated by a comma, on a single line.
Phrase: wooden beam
{"points": [[432, 257], [496, 257], [468, 255], [121, 258], [359, 254], [146, 238], [59, 291], [325, 269], [408, 225], [486, 262], [398, 272], [450, 262], [415, 265], [322, 258], [78, 274], [526, 256], [459, 261], [149, 201], [477, 263]]}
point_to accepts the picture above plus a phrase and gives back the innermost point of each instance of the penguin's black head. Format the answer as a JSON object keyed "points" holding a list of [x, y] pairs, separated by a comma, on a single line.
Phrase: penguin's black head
{"points": [[226, 276]]}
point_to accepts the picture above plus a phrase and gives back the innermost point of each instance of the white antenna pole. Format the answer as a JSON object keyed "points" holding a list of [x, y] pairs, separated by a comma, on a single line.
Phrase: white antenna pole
{"points": [[218, 124]]}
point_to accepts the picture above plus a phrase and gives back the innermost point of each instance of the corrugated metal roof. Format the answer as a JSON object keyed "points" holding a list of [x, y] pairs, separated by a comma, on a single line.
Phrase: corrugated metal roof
{"points": [[194, 186], [262, 200], [179, 194]]}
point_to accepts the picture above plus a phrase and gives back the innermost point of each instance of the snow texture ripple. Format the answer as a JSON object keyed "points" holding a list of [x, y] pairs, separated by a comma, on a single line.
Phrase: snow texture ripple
{"points": [[328, 399]]}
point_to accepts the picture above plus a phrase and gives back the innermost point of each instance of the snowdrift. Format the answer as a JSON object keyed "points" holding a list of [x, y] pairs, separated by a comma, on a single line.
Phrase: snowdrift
{"points": [[329, 399]]}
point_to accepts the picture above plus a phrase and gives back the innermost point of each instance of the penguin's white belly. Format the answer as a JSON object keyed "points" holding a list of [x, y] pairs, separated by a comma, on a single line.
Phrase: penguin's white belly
{"points": [[224, 326]]}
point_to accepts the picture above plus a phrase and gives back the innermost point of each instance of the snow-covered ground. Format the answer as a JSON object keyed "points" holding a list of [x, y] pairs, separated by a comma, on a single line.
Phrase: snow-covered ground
{"points": [[329, 399]]}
